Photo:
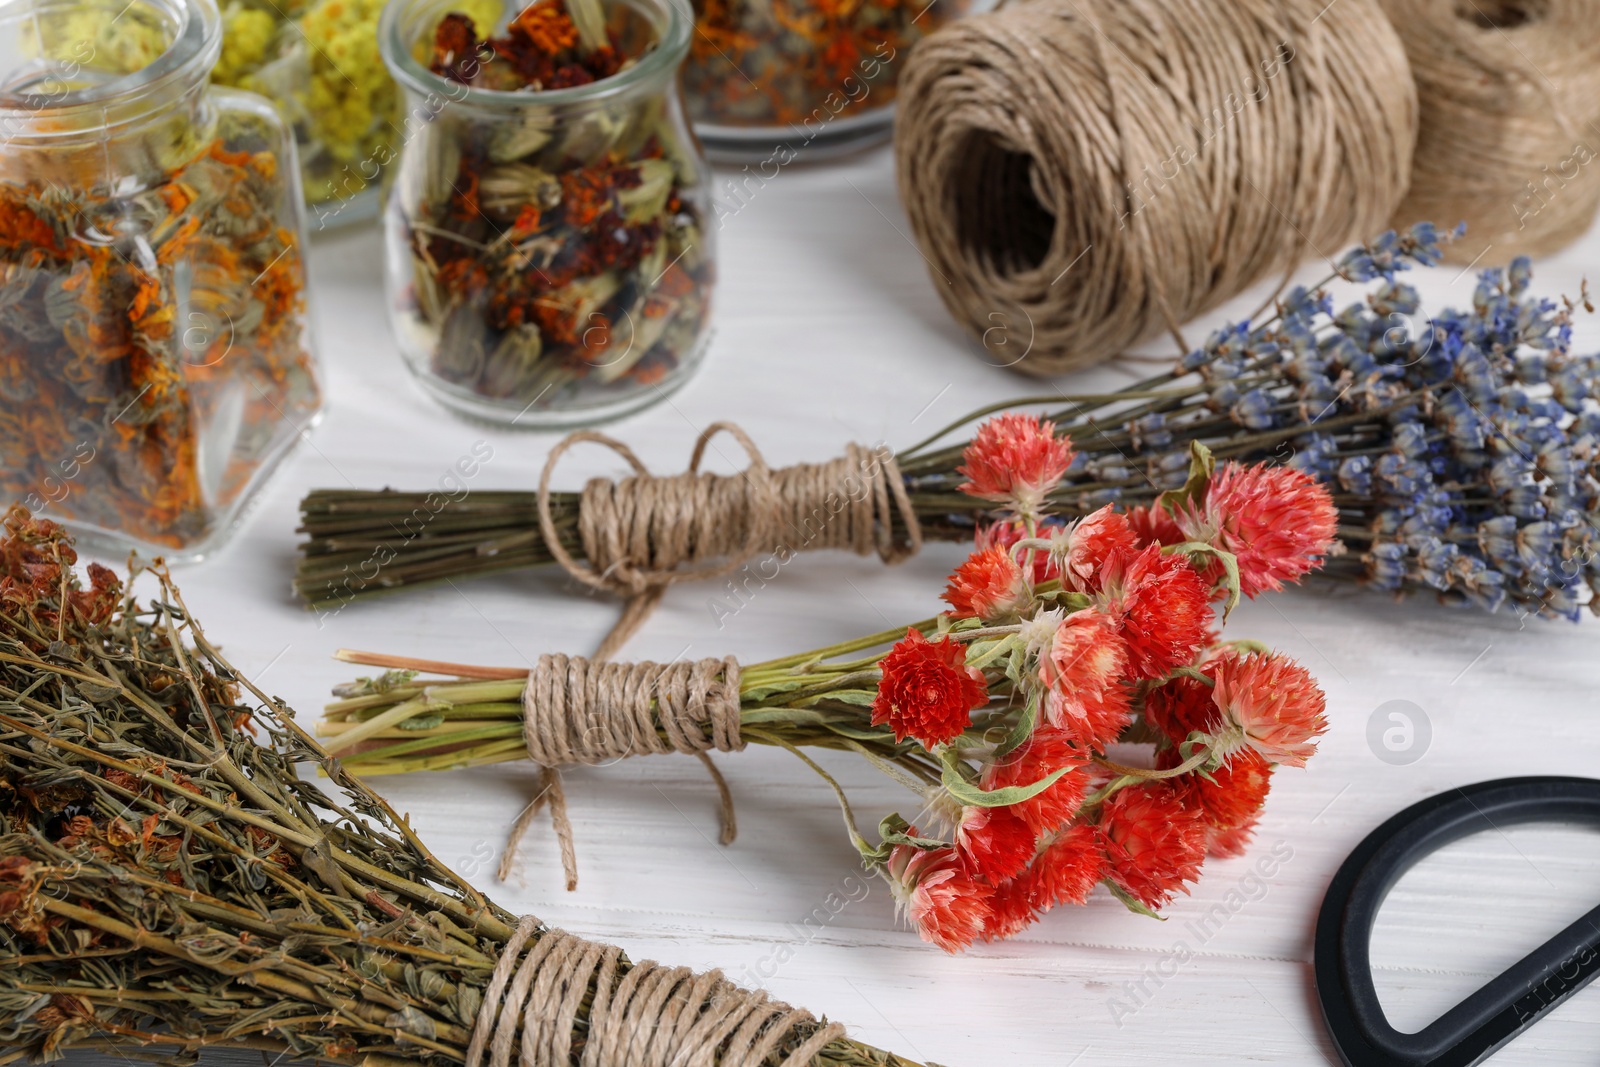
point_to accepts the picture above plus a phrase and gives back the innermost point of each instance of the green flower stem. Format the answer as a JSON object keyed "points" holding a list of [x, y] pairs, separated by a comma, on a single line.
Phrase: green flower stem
{"points": [[1149, 774]]}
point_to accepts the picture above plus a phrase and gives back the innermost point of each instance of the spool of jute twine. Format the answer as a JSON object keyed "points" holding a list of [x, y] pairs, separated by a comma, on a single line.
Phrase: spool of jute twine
{"points": [[1510, 121], [639, 1015], [1084, 174]]}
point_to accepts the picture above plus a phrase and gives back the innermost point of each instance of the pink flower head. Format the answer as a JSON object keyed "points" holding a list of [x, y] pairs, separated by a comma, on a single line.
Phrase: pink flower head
{"points": [[928, 692], [1154, 845], [1084, 671], [1269, 703], [1083, 547], [1015, 459], [989, 586], [995, 842], [1004, 535], [1042, 754], [1163, 605], [946, 905], [1277, 521]]}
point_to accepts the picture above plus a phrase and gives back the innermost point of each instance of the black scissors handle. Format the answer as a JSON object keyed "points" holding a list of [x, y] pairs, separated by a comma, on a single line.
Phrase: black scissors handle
{"points": [[1479, 1026]]}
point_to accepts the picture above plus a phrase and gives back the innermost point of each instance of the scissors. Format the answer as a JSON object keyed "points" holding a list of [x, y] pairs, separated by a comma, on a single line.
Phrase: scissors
{"points": [[1489, 1019]]}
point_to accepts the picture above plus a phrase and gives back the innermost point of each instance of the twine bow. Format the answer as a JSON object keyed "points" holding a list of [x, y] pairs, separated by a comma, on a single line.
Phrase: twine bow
{"points": [[641, 535]]}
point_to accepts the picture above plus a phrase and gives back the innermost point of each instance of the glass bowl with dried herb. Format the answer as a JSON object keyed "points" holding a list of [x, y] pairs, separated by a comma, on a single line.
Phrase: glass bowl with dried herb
{"points": [[548, 260], [155, 356], [771, 81]]}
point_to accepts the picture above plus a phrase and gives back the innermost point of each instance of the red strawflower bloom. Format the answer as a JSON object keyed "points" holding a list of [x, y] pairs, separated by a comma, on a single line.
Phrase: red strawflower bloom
{"points": [[1065, 872], [928, 692], [1279, 522], [946, 905], [1154, 525], [1233, 841], [1181, 707], [1010, 909], [1086, 545], [1083, 670], [1163, 605], [1235, 793], [1270, 704], [1046, 752], [1154, 845], [1005, 534], [995, 842], [1015, 459], [989, 585], [1068, 869]]}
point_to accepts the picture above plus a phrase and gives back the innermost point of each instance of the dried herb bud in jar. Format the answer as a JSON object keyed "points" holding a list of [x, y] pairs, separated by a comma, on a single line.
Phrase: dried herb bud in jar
{"points": [[548, 256]]}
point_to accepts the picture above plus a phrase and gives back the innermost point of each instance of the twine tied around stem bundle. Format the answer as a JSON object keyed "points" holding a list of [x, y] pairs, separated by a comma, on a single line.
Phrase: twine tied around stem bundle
{"points": [[583, 711], [1083, 176], [645, 532], [1510, 138], [645, 1015]]}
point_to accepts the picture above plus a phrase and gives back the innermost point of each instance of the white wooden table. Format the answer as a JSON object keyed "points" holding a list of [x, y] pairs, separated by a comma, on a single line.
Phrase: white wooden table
{"points": [[828, 330]]}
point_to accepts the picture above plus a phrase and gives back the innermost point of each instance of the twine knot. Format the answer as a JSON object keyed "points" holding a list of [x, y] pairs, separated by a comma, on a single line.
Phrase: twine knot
{"points": [[646, 532], [582, 711], [579, 711], [640, 1014]]}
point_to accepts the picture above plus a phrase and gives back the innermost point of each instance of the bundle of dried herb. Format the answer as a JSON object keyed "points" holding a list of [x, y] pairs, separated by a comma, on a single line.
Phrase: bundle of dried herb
{"points": [[1462, 447], [154, 353], [547, 245], [167, 880], [796, 67]]}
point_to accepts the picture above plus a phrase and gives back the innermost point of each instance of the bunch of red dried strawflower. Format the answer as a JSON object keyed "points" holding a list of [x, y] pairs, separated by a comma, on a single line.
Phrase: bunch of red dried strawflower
{"points": [[1061, 641]]}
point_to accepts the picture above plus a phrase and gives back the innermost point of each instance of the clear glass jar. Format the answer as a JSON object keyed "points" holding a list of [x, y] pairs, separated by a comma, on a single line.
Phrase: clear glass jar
{"points": [[772, 81], [155, 354], [548, 257]]}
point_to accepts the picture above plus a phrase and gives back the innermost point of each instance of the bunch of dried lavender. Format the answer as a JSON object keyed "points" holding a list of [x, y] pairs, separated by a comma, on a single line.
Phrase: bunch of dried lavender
{"points": [[167, 880], [1463, 449]]}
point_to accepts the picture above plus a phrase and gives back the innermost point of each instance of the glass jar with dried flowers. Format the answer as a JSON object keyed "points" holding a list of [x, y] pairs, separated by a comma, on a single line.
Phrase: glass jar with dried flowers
{"points": [[155, 355], [318, 61], [548, 259], [769, 82]]}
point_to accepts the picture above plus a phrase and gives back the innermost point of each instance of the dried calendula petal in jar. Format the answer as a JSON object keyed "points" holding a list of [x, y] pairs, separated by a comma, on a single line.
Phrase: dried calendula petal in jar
{"points": [[155, 359], [548, 256], [770, 80]]}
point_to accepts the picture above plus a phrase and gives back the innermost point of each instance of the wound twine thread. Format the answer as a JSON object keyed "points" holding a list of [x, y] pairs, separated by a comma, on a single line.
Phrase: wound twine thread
{"points": [[582, 711], [640, 1015], [647, 532], [1083, 174], [1510, 104]]}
